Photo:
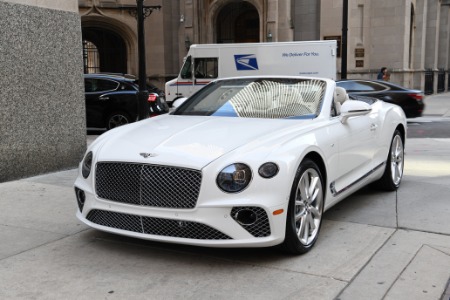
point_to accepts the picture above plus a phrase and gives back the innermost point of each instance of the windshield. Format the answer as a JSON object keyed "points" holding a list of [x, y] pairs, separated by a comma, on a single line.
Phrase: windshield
{"points": [[272, 98]]}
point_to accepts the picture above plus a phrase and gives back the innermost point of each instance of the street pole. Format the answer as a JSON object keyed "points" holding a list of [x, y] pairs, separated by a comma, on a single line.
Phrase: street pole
{"points": [[344, 40], [143, 105]]}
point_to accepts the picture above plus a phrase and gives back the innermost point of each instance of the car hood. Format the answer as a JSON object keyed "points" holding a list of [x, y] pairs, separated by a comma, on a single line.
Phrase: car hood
{"points": [[186, 141]]}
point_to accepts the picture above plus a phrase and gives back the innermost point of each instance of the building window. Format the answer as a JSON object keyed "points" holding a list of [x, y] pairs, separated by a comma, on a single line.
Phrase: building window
{"points": [[91, 60]]}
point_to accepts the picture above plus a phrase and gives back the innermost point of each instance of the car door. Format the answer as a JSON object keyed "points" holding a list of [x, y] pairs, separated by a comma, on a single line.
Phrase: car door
{"points": [[186, 83], [356, 140], [93, 109], [97, 100], [206, 70], [378, 90]]}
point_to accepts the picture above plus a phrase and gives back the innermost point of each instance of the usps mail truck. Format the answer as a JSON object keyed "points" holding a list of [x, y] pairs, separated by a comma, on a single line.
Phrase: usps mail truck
{"points": [[207, 62]]}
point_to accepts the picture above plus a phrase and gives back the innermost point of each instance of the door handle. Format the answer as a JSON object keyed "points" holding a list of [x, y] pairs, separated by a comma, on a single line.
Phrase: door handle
{"points": [[103, 98]]}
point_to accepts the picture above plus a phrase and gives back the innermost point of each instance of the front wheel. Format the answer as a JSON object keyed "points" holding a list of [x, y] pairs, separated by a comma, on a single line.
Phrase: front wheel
{"points": [[305, 209], [393, 173]]}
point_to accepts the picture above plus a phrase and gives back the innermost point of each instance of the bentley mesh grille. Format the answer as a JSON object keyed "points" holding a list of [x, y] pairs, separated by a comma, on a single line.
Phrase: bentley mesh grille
{"points": [[148, 185], [261, 227], [155, 226]]}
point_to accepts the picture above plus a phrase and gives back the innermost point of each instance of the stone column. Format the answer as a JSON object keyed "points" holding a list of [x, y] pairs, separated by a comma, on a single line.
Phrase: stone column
{"points": [[419, 44], [306, 15], [432, 39], [443, 59], [285, 30], [42, 116], [272, 20]]}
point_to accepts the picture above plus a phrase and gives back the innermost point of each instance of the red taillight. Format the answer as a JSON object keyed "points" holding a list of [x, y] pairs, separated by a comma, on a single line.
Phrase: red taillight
{"points": [[152, 97], [416, 96]]}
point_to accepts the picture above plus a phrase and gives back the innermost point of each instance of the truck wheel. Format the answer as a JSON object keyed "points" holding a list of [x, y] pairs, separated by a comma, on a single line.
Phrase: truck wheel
{"points": [[305, 209], [117, 119]]}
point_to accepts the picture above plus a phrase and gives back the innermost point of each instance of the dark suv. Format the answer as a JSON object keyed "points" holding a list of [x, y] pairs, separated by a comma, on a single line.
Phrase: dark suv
{"points": [[111, 100]]}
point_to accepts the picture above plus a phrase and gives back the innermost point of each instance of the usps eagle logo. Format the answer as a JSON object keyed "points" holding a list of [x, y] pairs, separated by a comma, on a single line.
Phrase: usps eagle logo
{"points": [[246, 62]]}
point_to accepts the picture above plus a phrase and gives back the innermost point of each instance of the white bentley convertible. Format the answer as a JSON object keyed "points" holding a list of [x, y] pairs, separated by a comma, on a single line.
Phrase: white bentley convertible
{"points": [[244, 162]]}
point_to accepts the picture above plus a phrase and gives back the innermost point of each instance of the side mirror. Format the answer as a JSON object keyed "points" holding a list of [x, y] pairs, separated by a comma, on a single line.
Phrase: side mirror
{"points": [[354, 108], [177, 103]]}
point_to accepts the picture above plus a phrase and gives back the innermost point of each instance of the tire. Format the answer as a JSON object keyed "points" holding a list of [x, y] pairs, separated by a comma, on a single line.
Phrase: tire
{"points": [[305, 209], [393, 172], [117, 119]]}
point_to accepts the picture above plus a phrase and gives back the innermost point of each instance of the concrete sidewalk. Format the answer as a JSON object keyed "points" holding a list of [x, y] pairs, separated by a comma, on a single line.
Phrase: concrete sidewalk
{"points": [[373, 245], [437, 105]]}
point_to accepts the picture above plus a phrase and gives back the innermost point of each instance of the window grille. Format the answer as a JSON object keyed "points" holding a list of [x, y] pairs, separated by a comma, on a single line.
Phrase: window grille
{"points": [[91, 59]]}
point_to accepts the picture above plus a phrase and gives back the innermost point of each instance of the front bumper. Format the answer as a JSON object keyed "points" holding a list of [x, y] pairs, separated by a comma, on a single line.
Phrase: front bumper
{"points": [[211, 226]]}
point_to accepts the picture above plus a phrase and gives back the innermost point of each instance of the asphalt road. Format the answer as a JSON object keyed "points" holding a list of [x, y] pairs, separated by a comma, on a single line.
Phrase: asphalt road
{"points": [[429, 127]]}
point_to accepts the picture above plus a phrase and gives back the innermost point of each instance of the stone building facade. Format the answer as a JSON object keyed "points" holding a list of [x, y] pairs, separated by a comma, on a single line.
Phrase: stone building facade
{"points": [[410, 37], [42, 123], [45, 44]]}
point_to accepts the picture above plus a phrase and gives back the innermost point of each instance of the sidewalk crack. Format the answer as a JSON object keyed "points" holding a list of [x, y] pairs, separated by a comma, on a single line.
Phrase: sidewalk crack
{"points": [[403, 270]]}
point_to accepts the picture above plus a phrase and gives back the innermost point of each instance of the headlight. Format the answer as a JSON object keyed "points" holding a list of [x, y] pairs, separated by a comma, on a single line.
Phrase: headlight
{"points": [[234, 178], [268, 170], [86, 165]]}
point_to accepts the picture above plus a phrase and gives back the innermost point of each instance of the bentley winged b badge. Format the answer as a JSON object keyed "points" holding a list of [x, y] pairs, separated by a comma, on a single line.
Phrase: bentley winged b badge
{"points": [[146, 155]]}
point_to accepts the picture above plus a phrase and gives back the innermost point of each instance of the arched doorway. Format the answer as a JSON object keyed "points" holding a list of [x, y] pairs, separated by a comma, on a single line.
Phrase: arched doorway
{"points": [[103, 51], [238, 22]]}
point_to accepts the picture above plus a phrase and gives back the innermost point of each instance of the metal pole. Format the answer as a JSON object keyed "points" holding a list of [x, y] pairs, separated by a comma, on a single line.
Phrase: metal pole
{"points": [[344, 40], [143, 106]]}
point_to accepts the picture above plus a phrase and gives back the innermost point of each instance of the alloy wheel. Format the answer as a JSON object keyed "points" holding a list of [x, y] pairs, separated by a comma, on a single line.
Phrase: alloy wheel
{"points": [[117, 120], [308, 206], [397, 159]]}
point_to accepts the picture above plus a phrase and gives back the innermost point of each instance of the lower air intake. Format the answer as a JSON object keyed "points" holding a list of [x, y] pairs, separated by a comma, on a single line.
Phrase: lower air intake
{"points": [[155, 226], [260, 227]]}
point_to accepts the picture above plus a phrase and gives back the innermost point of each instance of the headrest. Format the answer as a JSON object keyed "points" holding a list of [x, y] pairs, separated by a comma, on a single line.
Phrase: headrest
{"points": [[340, 95]]}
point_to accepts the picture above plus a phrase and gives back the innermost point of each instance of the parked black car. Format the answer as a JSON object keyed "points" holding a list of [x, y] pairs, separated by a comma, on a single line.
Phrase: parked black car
{"points": [[411, 101], [111, 100]]}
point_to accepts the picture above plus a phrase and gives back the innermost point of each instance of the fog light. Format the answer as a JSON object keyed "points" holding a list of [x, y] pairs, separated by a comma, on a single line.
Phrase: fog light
{"points": [[245, 217]]}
